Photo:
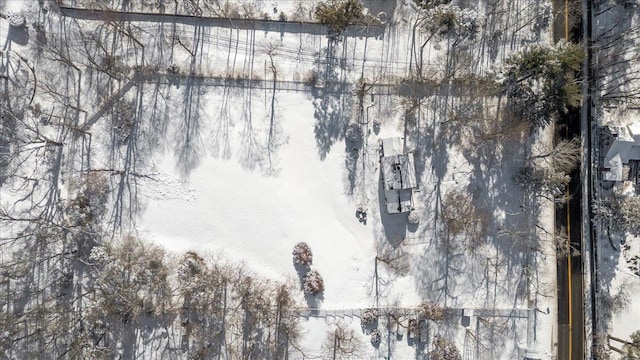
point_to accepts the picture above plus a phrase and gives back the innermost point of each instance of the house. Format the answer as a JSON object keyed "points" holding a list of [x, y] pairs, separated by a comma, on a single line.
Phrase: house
{"points": [[621, 148], [398, 176]]}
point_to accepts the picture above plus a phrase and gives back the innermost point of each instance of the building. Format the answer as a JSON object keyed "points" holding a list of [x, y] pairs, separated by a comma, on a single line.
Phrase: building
{"points": [[398, 176], [621, 148]]}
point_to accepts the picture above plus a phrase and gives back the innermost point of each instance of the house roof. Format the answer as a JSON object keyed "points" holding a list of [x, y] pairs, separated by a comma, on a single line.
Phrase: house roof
{"points": [[398, 201], [614, 172], [398, 176], [392, 146], [399, 172], [625, 145]]}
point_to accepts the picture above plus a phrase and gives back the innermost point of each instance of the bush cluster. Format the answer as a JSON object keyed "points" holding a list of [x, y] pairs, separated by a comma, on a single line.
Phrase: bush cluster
{"points": [[369, 316], [338, 14], [432, 311], [313, 283], [302, 254]]}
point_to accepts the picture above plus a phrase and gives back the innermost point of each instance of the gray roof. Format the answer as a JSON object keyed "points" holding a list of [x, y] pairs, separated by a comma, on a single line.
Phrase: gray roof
{"points": [[398, 201], [399, 172]]}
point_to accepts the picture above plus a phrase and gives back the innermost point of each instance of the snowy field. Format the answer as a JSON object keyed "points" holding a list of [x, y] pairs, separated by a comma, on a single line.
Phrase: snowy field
{"points": [[240, 150]]}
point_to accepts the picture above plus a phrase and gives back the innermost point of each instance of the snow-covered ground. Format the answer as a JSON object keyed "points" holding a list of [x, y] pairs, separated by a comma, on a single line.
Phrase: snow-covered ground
{"points": [[618, 255], [240, 168]]}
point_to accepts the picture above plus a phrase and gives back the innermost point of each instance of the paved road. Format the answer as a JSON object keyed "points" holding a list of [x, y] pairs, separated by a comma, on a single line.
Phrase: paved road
{"points": [[571, 323]]}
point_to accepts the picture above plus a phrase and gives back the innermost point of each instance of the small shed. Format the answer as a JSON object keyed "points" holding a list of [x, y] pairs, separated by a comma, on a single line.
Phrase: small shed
{"points": [[398, 176]]}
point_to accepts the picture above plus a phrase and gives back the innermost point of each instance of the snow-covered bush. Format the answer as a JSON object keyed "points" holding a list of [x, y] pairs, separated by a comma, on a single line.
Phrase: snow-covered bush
{"points": [[310, 78], [600, 349], [338, 14], [16, 19], [414, 217], [375, 337], [444, 349], [313, 283], [632, 350], [191, 7], [432, 311], [451, 20], [369, 317], [621, 212], [536, 178], [302, 254]]}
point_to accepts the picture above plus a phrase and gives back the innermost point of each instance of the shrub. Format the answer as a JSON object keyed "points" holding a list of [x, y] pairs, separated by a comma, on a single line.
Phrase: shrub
{"points": [[432, 311], [414, 217], [302, 254], [444, 349], [451, 20], [313, 283], [16, 19], [369, 317], [337, 14], [621, 212], [375, 337], [600, 348], [632, 349], [310, 78]]}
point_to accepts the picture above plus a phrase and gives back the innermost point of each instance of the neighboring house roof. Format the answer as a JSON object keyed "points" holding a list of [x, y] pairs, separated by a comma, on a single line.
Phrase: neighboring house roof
{"points": [[614, 172], [624, 147]]}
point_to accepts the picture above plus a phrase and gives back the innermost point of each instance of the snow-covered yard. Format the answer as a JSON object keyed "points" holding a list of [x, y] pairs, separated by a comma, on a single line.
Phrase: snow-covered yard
{"points": [[231, 141]]}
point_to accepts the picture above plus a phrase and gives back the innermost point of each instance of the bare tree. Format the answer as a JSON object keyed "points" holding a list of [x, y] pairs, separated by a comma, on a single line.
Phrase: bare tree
{"points": [[395, 258], [463, 221], [342, 343], [564, 157], [564, 247]]}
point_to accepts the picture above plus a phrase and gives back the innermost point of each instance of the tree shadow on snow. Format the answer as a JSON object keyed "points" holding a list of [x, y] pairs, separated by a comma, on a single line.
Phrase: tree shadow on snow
{"points": [[331, 98], [394, 225]]}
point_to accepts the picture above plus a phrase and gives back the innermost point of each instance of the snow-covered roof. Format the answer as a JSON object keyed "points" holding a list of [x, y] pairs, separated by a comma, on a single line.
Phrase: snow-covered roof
{"points": [[634, 129], [398, 201], [398, 176], [624, 147], [399, 172], [614, 172]]}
